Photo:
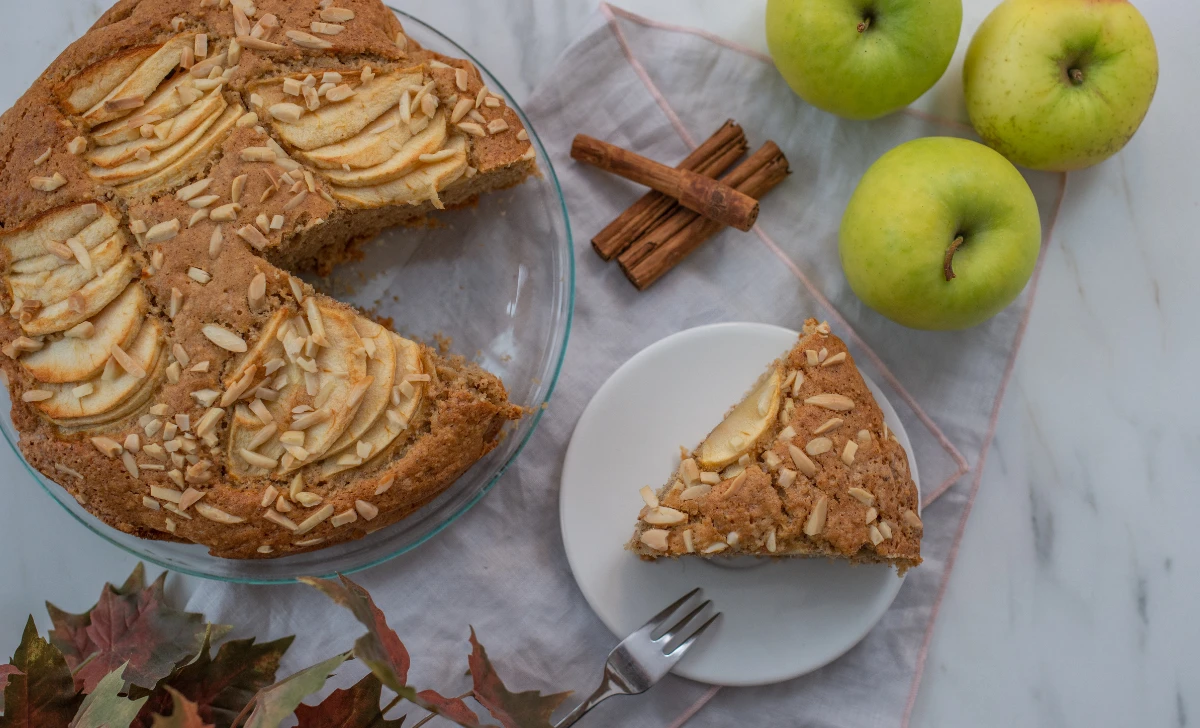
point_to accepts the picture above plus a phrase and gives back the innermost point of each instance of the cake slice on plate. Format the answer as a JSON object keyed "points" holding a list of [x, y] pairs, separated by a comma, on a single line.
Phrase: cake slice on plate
{"points": [[804, 465]]}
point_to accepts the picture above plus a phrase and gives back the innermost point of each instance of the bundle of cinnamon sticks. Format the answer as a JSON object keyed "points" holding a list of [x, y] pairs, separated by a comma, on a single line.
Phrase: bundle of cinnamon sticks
{"points": [[686, 207]]}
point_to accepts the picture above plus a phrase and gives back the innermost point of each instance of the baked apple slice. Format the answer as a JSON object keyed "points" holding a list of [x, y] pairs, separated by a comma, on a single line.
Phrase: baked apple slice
{"points": [[100, 396], [406, 159], [336, 122], [381, 368], [76, 358], [55, 285], [85, 302], [745, 424]]}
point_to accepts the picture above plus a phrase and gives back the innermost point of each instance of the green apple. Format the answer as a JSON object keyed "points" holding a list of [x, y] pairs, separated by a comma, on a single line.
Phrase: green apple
{"points": [[862, 59], [1060, 84], [941, 233]]}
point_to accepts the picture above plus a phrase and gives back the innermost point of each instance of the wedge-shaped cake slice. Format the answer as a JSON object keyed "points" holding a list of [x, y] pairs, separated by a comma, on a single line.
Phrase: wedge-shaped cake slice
{"points": [[803, 466]]}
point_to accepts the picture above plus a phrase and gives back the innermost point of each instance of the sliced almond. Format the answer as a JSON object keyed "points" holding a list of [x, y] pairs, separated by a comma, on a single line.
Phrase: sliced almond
{"points": [[815, 523], [655, 538], [224, 338], [836, 402], [818, 446], [802, 461], [862, 496]]}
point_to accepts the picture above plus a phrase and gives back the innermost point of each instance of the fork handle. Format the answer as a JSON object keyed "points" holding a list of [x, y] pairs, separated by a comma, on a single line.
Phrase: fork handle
{"points": [[608, 688]]}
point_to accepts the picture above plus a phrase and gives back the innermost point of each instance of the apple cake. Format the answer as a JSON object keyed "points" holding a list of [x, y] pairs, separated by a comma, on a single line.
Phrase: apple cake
{"points": [[804, 466], [162, 183]]}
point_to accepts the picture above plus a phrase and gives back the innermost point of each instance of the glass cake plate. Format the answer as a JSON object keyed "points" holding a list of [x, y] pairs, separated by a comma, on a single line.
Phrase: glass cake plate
{"points": [[497, 281]]}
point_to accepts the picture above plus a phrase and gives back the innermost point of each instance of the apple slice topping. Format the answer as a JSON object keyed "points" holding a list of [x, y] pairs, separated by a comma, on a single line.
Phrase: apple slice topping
{"points": [[55, 285], [85, 302], [745, 424], [421, 184], [207, 109], [89, 87], [337, 122], [191, 161], [74, 359], [374, 145], [98, 231], [107, 392], [428, 141], [405, 398], [30, 240], [381, 368], [140, 83], [138, 168]]}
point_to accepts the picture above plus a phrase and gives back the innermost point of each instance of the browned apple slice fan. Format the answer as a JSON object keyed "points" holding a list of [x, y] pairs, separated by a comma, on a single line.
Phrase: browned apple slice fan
{"points": [[240, 412], [389, 140]]}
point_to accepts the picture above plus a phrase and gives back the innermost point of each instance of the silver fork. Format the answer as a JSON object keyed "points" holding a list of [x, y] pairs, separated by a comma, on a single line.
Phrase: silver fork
{"points": [[644, 657]]}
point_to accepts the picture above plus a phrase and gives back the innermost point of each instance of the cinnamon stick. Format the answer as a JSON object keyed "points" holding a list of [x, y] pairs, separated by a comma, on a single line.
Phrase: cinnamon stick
{"points": [[711, 198], [657, 252], [710, 159]]}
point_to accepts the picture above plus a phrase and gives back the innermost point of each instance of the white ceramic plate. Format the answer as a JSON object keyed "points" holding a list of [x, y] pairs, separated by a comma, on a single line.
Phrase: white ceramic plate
{"points": [[782, 617]]}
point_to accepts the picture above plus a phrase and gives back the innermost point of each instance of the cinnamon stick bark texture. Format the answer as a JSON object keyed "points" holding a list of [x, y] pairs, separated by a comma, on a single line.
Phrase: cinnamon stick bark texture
{"points": [[711, 198], [657, 252], [710, 159]]}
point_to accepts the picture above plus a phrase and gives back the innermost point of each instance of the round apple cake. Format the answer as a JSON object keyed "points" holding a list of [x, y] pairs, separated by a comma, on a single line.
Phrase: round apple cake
{"points": [[162, 182]]}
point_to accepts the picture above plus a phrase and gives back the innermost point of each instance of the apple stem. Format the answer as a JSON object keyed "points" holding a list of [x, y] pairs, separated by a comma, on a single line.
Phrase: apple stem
{"points": [[866, 23], [1076, 76], [948, 261]]}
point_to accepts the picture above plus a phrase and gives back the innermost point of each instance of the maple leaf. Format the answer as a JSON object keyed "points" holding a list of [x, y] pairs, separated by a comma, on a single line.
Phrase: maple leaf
{"points": [[224, 685], [273, 704], [382, 651], [355, 707], [70, 630], [529, 709], [5, 671], [41, 694], [105, 707], [380, 648], [132, 625], [183, 714]]}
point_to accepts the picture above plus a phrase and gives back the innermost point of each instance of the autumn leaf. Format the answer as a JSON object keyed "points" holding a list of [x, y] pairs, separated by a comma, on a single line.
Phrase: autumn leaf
{"points": [[382, 651], [453, 708], [70, 630], [380, 648], [41, 694], [105, 707], [183, 714], [355, 707], [529, 709], [5, 671], [221, 686], [128, 625], [277, 702]]}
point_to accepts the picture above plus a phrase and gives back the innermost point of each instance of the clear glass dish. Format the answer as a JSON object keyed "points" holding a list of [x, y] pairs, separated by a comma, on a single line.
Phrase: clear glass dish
{"points": [[497, 280]]}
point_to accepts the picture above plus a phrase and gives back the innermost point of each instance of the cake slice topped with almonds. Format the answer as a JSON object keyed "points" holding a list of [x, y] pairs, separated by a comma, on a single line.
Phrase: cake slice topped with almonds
{"points": [[804, 465]]}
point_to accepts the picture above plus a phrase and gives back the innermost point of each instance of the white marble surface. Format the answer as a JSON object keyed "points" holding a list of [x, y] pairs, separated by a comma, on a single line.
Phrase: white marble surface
{"points": [[1073, 599]]}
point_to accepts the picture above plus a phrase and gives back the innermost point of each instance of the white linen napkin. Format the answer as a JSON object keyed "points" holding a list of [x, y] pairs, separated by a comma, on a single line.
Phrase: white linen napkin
{"points": [[501, 568]]}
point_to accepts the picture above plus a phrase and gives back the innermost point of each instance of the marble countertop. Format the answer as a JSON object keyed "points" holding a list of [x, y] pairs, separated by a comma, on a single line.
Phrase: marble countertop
{"points": [[1072, 600]]}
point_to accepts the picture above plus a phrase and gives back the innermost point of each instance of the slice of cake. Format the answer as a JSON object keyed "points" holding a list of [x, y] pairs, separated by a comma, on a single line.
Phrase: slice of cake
{"points": [[162, 181], [803, 466]]}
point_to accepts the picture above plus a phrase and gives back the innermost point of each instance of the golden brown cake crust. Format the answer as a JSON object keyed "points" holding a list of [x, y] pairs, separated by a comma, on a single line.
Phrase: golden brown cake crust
{"points": [[870, 500], [461, 409]]}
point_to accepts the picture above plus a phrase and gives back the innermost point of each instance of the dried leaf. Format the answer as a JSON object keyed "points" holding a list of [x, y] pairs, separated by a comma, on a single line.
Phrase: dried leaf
{"points": [[128, 625], [221, 686], [41, 694], [277, 702], [356, 707], [105, 707], [380, 648], [183, 714], [529, 709], [70, 630], [453, 708], [382, 651], [5, 671]]}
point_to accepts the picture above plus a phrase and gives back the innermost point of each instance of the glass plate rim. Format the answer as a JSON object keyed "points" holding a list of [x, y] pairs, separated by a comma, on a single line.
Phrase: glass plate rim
{"points": [[537, 417]]}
